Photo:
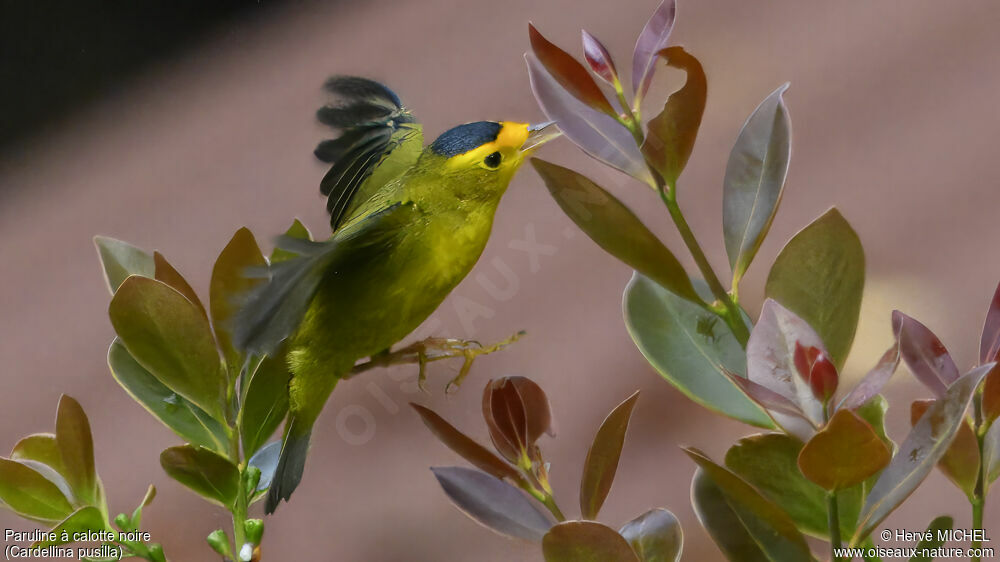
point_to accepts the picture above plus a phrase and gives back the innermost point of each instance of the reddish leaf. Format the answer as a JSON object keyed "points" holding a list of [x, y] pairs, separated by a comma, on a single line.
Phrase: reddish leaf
{"points": [[816, 369], [671, 134], [569, 73], [602, 459], [991, 395], [517, 413], [468, 449], [989, 344], [844, 453], [960, 462], [652, 40], [596, 133], [874, 381], [586, 541], [924, 354], [599, 59], [166, 273]]}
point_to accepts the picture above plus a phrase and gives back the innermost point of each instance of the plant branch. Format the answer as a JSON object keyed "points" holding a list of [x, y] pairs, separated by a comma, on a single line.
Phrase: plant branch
{"points": [[833, 517], [979, 493], [731, 313]]}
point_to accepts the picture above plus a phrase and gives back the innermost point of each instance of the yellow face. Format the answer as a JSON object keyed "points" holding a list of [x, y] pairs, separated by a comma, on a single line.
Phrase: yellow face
{"points": [[503, 154]]}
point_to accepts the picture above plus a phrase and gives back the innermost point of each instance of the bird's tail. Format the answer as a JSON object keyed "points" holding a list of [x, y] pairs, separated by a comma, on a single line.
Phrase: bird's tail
{"points": [[291, 463]]}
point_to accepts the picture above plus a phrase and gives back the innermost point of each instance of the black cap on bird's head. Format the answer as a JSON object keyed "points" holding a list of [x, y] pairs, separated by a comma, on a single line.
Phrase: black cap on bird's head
{"points": [[490, 144]]}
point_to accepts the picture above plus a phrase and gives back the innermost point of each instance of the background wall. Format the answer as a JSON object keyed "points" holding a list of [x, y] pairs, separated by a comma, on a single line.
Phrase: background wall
{"points": [[894, 115]]}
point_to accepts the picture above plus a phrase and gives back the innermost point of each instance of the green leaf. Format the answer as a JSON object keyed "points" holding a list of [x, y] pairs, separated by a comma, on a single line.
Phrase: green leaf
{"points": [[771, 528], [940, 523], [586, 541], [188, 421], [121, 259], [29, 494], [690, 349], [147, 499], [170, 338], [873, 411], [920, 451], [844, 453], [755, 179], [229, 282], [671, 134], [39, 447], [609, 223], [76, 448], [166, 273], [721, 522], [297, 230], [820, 275], [656, 536], [88, 518], [265, 404], [492, 502], [206, 473], [769, 462], [481, 457], [602, 459]]}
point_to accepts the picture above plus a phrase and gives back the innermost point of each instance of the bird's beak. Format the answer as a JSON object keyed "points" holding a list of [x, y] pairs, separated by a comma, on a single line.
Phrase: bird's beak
{"points": [[540, 134]]}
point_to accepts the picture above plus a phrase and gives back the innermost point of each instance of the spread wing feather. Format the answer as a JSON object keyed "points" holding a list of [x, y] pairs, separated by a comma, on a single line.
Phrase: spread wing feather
{"points": [[379, 141], [273, 310]]}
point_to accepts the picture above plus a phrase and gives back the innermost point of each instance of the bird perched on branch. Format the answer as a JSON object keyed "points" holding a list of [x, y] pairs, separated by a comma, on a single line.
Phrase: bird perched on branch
{"points": [[409, 222]]}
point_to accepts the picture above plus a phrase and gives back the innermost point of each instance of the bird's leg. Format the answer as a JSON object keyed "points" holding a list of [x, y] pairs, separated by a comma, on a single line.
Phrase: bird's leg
{"points": [[434, 349]]}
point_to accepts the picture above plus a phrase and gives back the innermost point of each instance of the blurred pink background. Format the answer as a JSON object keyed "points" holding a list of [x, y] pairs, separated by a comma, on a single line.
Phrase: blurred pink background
{"points": [[894, 118]]}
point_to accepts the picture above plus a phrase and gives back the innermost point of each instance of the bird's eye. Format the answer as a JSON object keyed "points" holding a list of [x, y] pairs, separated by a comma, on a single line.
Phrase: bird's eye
{"points": [[493, 160]]}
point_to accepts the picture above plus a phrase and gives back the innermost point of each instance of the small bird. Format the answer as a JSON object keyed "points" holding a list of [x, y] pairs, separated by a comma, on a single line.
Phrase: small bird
{"points": [[409, 222]]}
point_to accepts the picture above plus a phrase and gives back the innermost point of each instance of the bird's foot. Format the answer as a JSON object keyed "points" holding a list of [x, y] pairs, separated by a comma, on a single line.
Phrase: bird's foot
{"points": [[435, 349]]}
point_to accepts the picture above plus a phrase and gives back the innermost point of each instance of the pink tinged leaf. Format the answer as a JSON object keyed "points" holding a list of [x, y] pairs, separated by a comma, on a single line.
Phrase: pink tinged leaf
{"points": [[960, 462], [492, 502], [570, 74], [771, 353], [924, 354], [783, 411], [874, 381], [920, 451], [597, 134], [653, 38], [989, 345], [599, 59]]}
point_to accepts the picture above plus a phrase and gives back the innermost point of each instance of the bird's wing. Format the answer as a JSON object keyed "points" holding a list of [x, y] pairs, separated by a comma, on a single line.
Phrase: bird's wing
{"points": [[379, 140], [273, 310]]}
